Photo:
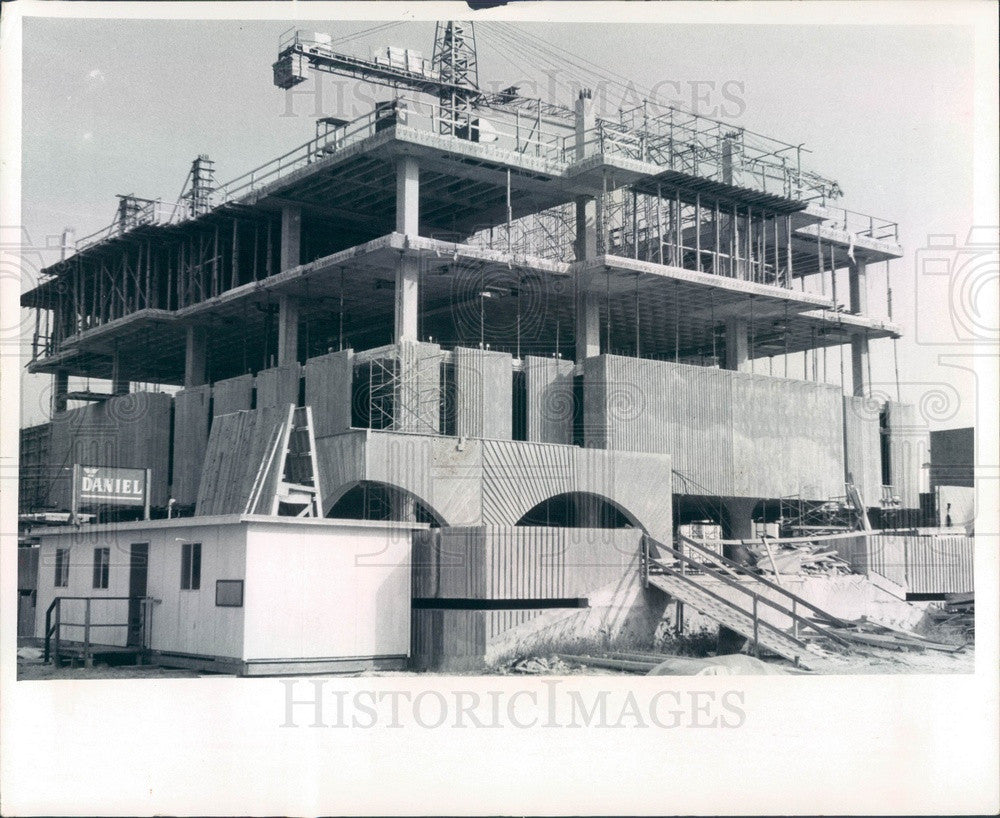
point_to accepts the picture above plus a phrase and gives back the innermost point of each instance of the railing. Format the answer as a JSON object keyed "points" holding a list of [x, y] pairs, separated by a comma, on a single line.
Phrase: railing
{"points": [[862, 224], [756, 598], [54, 624]]}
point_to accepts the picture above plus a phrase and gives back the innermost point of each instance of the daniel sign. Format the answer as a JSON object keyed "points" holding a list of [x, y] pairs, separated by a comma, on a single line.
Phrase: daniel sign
{"points": [[106, 485]]}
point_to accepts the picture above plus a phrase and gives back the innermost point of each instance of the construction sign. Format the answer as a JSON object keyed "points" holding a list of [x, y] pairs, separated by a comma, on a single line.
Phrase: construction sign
{"points": [[109, 485]]}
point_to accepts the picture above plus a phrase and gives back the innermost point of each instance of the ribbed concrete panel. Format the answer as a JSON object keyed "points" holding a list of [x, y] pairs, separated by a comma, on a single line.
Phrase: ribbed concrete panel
{"points": [[654, 406], [418, 407], [496, 482], [232, 395], [515, 562], [787, 438], [278, 386], [130, 431], [484, 393], [190, 442], [909, 449], [728, 433], [939, 565], [329, 380], [863, 446], [549, 383]]}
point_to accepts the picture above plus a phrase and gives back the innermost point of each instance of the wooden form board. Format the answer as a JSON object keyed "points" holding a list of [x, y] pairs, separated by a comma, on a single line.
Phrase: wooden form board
{"points": [[329, 391], [243, 462], [232, 395], [191, 422], [278, 386], [131, 431]]}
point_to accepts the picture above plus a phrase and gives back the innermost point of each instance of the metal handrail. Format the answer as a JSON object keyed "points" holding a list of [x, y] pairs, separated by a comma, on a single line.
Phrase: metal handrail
{"points": [[53, 630], [754, 614], [790, 612], [762, 580]]}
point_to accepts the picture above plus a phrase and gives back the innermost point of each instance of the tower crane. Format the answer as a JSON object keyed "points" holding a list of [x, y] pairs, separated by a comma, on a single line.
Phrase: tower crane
{"points": [[451, 75]]}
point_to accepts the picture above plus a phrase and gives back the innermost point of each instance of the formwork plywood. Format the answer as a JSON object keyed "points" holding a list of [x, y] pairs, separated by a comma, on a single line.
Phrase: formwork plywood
{"points": [[278, 386], [238, 457], [191, 424], [129, 431], [909, 449], [728, 433], [484, 393], [549, 383], [862, 440], [329, 384], [232, 395]]}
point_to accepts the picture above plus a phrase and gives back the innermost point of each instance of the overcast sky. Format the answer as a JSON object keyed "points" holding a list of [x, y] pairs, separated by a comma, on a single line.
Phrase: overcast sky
{"points": [[124, 106]]}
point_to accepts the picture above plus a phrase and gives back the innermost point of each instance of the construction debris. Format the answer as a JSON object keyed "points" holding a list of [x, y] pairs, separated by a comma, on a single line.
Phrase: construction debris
{"points": [[959, 612], [800, 558], [863, 632]]}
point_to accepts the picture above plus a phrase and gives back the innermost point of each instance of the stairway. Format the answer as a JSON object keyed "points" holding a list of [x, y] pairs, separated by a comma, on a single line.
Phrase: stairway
{"points": [[686, 578]]}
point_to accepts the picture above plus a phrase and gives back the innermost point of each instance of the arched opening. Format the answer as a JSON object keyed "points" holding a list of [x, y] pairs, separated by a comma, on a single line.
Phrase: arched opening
{"points": [[578, 509], [372, 500]]}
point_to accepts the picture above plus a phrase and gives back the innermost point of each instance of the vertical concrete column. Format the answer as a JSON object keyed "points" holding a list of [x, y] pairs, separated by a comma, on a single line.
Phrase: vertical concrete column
{"points": [[858, 286], [60, 386], [407, 295], [588, 314], [737, 345], [738, 518], [585, 121], [195, 357], [288, 330], [119, 385], [291, 237]]}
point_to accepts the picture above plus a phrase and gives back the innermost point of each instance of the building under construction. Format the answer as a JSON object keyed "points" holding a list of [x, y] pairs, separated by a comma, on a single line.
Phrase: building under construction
{"points": [[463, 373]]}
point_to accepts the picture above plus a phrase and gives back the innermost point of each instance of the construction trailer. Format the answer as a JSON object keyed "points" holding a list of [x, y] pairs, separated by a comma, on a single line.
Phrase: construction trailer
{"points": [[511, 321]]}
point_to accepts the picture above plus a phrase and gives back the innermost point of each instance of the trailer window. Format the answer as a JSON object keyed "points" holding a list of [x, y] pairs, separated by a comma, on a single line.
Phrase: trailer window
{"points": [[229, 593], [62, 568], [102, 566], [191, 566]]}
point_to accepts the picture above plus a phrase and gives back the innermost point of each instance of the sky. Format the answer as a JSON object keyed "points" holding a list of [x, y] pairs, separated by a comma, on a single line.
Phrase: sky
{"points": [[114, 107]]}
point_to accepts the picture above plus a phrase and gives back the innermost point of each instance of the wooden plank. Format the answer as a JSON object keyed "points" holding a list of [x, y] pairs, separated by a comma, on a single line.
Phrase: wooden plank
{"points": [[232, 395]]}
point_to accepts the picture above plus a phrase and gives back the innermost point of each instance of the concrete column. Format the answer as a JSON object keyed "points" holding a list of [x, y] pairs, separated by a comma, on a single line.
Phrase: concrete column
{"points": [[858, 286], [60, 386], [588, 313], [291, 237], [737, 345], [408, 196], [737, 524], [585, 121], [119, 385], [195, 356], [288, 330], [859, 363], [407, 296]]}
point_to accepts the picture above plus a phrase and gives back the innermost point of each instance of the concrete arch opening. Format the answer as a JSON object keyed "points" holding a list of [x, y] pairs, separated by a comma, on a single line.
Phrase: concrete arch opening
{"points": [[578, 509], [374, 500]]}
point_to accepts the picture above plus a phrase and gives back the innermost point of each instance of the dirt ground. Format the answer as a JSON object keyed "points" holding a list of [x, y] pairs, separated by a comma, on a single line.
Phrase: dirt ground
{"points": [[860, 661]]}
